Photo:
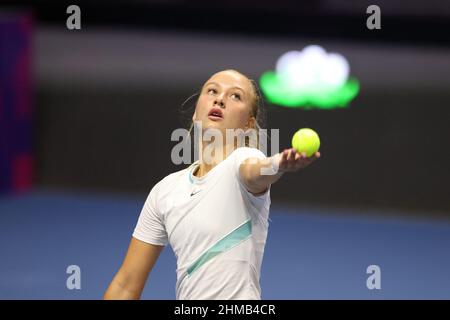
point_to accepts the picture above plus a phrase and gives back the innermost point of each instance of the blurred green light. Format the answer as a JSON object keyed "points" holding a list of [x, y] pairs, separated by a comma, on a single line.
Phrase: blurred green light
{"points": [[279, 90]]}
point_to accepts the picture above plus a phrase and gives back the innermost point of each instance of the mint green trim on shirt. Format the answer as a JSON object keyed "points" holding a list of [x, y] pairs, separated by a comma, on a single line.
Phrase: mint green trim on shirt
{"points": [[190, 176], [191, 172], [229, 241]]}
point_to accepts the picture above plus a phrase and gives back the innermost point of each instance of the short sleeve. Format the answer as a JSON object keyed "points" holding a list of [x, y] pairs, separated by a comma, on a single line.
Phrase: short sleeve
{"points": [[150, 226], [240, 155], [243, 153]]}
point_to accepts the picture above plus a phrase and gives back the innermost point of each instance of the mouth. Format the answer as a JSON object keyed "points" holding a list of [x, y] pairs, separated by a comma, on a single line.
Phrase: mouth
{"points": [[215, 114]]}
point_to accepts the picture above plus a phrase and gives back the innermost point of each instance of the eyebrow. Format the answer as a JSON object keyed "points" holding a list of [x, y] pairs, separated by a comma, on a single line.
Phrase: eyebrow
{"points": [[234, 87]]}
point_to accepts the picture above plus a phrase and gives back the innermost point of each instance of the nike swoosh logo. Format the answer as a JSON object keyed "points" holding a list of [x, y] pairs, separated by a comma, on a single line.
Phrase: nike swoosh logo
{"points": [[192, 193]]}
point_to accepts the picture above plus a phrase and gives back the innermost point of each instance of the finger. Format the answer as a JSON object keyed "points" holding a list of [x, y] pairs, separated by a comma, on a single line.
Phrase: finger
{"points": [[303, 162], [305, 158], [289, 157], [294, 154], [291, 161], [283, 159], [296, 157]]}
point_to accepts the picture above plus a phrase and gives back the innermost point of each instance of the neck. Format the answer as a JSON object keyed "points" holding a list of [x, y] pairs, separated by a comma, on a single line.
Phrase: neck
{"points": [[211, 155]]}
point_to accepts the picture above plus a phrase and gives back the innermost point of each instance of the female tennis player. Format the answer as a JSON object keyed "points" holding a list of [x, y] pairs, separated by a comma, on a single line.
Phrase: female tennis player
{"points": [[214, 213]]}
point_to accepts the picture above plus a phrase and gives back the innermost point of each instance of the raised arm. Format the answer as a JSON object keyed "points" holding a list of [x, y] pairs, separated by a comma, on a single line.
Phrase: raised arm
{"points": [[254, 171], [130, 280]]}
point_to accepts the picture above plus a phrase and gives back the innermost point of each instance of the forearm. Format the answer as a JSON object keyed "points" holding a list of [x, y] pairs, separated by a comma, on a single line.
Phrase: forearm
{"points": [[130, 280], [259, 174], [119, 289]]}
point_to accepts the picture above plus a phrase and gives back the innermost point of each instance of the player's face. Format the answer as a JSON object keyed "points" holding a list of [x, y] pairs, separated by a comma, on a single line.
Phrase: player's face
{"points": [[225, 102]]}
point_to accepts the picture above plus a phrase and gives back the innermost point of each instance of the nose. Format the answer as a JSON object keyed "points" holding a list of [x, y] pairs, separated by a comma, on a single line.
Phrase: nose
{"points": [[219, 101]]}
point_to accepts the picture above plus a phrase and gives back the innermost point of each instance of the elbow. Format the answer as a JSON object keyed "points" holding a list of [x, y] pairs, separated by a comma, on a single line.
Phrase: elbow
{"points": [[123, 288], [253, 182]]}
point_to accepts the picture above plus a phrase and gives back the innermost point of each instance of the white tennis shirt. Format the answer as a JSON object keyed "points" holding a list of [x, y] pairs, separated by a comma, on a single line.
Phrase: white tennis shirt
{"points": [[216, 228]]}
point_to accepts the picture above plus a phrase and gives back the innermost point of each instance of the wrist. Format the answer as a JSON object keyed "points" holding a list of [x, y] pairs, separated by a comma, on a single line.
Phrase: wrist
{"points": [[275, 164]]}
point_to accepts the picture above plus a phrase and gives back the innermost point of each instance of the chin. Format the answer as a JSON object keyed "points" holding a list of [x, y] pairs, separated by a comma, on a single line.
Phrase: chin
{"points": [[210, 124]]}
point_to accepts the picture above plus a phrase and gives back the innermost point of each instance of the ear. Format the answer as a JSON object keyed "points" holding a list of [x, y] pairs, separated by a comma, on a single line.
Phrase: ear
{"points": [[251, 123], [194, 116]]}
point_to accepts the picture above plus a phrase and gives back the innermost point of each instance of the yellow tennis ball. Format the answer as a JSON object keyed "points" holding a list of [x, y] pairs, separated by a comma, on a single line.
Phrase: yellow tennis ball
{"points": [[306, 140]]}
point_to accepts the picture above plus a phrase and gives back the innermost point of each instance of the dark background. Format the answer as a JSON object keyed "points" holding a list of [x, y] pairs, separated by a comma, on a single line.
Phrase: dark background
{"points": [[108, 96]]}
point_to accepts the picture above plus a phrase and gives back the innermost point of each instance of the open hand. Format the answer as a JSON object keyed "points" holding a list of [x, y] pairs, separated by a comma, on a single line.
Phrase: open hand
{"points": [[290, 160]]}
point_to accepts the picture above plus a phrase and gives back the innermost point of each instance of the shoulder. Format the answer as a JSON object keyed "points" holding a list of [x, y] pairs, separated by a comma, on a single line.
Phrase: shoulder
{"points": [[248, 151], [165, 186], [171, 179], [243, 153]]}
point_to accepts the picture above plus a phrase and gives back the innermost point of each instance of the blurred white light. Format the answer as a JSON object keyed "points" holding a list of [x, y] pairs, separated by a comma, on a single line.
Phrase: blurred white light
{"points": [[313, 67]]}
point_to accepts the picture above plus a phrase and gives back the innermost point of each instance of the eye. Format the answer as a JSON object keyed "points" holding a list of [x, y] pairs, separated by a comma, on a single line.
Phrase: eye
{"points": [[213, 90], [236, 96]]}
